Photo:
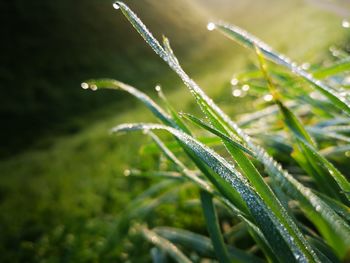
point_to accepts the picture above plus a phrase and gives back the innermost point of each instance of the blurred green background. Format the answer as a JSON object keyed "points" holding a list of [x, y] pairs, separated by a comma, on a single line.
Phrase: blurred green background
{"points": [[61, 173]]}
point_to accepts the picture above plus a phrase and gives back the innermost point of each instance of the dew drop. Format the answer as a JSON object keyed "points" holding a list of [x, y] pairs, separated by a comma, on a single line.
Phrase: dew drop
{"points": [[268, 97], [84, 85], [236, 92], [245, 87], [211, 26], [116, 6], [305, 66], [234, 82], [345, 23], [158, 88], [93, 87]]}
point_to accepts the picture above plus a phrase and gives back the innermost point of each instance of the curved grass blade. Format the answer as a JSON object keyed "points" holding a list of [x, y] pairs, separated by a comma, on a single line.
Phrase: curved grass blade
{"points": [[202, 244], [341, 209], [153, 174], [218, 133], [328, 133], [162, 115], [165, 245], [340, 67], [181, 167], [318, 211], [175, 147], [158, 255], [277, 235], [213, 227], [250, 41], [117, 85], [307, 144], [325, 252], [139, 207], [171, 110], [232, 200], [256, 179], [261, 241], [334, 172]]}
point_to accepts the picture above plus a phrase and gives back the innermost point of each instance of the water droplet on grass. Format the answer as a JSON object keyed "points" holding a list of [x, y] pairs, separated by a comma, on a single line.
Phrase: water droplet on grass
{"points": [[268, 97], [127, 172], [234, 82], [211, 26], [84, 85], [158, 88], [236, 92], [345, 23], [305, 66], [245, 87], [93, 87], [116, 6]]}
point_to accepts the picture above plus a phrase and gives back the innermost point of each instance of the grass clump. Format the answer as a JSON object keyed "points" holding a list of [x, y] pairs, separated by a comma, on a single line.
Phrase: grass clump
{"points": [[255, 208]]}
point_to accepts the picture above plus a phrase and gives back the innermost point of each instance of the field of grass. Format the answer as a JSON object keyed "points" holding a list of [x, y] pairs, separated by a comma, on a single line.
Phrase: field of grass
{"points": [[60, 202]]}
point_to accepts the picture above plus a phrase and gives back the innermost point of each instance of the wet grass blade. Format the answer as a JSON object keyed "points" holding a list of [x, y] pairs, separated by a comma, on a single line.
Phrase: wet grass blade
{"points": [[318, 211], [165, 245], [277, 235], [340, 67], [117, 85], [218, 133], [255, 178], [307, 144], [213, 227], [340, 179], [202, 244], [250, 41]]}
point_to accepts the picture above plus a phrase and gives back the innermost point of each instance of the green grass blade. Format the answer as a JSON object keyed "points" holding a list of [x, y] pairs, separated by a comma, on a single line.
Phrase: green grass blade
{"points": [[261, 241], [167, 119], [326, 181], [138, 208], [117, 85], [181, 167], [340, 67], [326, 218], [153, 174], [165, 245], [250, 41], [256, 179], [218, 133], [158, 255], [172, 111], [276, 234], [202, 244], [341, 209], [342, 182], [213, 227]]}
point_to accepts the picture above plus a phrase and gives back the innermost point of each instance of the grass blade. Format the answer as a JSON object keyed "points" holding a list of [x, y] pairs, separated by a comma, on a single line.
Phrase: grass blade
{"points": [[276, 234], [117, 85], [202, 244], [340, 67], [165, 245], [310, 202], [250, 41], [306, 143], [218, 133], [213, 227], [255, 178]]}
